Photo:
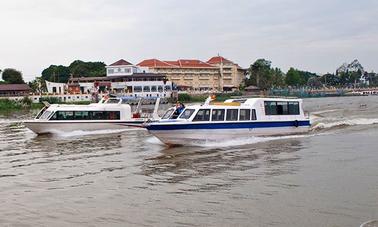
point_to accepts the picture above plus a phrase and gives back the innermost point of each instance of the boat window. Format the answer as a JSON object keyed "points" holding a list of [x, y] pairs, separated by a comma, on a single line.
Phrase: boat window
{"points": [[167, 114], [270, 108], [41, 112], [45, 115], [137, 88], [202, 115], [281, 108], [187, 114], [217, 115], [245, 115], [81, 115], [254, 117], [294, 108], [113, 115], [109, 101], [232, 115], [64, 115], [146, 89], [86, 115], [98, 115]]}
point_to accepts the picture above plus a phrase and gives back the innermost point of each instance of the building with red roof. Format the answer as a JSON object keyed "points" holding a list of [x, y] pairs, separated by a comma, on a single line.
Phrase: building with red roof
{"points": [[14, 90], [217, 74]]}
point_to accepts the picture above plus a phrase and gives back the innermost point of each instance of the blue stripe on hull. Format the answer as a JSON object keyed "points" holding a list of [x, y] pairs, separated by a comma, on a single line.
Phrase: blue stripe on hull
{"points": [[228, 125]]}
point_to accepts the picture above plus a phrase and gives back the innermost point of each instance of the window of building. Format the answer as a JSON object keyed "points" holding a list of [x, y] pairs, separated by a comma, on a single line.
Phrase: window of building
{"points": [[244, 115], [217, 115], [160, 88], [146, 89], [110, 71], [232, 115], [202, 115], [153, 89], [137, 88], [167, 87], [187, 114]]}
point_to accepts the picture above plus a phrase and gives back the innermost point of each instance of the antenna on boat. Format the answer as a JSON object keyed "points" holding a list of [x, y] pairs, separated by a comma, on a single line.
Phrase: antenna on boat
{"points": [[209, 99], [139, 106], [155, 113]]}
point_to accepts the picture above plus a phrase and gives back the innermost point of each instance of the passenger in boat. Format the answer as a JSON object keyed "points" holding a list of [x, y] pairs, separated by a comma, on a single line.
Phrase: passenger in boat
{"points": [[179, 108]]}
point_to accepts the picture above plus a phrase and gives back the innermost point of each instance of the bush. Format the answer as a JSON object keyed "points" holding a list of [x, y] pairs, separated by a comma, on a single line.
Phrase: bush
{"points": [[7, 104], [51, 100]]}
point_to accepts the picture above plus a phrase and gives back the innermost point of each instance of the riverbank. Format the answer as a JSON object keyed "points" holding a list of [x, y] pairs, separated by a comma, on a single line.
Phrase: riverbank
{"points": [[7, 105]]}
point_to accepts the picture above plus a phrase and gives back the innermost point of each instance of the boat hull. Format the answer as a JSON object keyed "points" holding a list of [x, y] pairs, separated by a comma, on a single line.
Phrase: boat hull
{"points": [[44, 127], [184, 134]]}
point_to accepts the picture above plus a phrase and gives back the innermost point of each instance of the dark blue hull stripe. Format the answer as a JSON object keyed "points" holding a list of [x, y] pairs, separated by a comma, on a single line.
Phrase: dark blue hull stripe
{"points": [[228, 125]]}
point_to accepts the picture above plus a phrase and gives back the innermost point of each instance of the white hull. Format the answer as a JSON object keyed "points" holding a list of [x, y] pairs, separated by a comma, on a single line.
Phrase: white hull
{"points": [[185, 137], [43, 127]]}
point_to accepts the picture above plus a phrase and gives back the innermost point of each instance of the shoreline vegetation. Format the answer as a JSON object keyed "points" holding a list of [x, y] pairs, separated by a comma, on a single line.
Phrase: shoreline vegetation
{"points": [[26, 103], [7, 105]]}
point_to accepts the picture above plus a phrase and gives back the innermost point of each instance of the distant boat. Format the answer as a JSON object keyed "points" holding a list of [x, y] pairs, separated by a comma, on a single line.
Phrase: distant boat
{"points": [[232, 119], [107, 114]]}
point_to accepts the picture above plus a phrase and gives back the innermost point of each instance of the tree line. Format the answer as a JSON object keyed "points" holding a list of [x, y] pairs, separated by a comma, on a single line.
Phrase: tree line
{"points": [[78, 68], [263, 75]]}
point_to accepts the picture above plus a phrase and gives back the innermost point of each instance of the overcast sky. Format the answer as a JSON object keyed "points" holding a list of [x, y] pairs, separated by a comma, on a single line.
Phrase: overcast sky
{"points": [[311, 35]]}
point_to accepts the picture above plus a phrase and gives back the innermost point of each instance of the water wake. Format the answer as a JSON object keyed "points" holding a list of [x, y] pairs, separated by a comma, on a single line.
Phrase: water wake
{"points": [[79, 133], [344, 123]]}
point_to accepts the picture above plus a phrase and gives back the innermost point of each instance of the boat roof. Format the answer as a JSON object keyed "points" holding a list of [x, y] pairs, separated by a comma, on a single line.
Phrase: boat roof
{"points": [[250, 100], [90, 107], [240, 102]]}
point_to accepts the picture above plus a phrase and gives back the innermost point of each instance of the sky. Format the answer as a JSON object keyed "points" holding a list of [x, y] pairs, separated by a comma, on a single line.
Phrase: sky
{"points": [[316, 36]]}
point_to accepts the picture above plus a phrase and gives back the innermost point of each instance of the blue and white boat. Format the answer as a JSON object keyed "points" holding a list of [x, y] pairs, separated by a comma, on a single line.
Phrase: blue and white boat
{"points": [[232, 119]]}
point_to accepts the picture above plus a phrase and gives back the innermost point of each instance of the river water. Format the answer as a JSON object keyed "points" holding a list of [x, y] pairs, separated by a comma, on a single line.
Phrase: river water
{"points": [[328, 177]]}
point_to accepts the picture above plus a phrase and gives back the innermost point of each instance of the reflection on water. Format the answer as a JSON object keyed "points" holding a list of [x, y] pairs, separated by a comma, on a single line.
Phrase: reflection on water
{"points": [[178, 164], [326, 178]]}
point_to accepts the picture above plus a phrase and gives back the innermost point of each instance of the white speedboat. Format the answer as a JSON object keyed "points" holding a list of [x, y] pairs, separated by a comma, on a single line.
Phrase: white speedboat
{"points": [[234, 118], [107, 114]]}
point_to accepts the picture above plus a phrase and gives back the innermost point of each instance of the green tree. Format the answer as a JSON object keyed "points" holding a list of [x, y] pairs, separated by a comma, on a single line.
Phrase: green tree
{"points": [[56, 73], [80, 68], [293, 78], [278, 78], [12, 76], [264, 76], [38, 85]]}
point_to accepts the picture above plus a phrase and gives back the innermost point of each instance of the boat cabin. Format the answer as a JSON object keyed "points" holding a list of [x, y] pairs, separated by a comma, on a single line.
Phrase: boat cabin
{"points": [[252, 109], [111, 109]]}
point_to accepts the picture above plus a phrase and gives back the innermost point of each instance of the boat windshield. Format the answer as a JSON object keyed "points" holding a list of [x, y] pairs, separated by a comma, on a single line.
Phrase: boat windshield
{"points": [[111, 101], [187, 114], [168, 113], [45, 115]]}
